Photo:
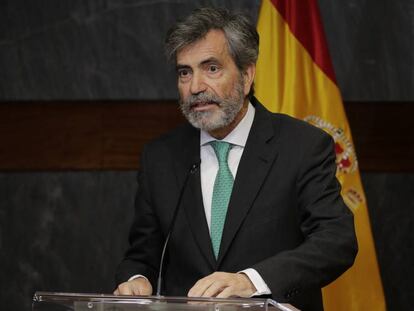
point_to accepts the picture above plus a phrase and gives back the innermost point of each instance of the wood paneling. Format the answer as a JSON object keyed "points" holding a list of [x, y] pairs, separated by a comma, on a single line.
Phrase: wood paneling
{"points": [[80, 135], [110, 135], [383, 134]]}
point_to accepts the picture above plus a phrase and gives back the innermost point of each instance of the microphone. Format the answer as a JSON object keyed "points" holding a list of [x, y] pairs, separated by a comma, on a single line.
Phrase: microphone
{"points": [[193, 169]]}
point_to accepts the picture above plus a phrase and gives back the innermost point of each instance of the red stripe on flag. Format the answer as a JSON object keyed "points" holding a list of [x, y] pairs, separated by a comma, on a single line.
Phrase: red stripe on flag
{"points": [[304, 21]]}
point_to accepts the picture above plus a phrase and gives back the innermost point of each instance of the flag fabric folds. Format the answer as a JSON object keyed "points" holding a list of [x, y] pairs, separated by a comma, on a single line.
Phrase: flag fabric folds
{"points": [[295, 76]]}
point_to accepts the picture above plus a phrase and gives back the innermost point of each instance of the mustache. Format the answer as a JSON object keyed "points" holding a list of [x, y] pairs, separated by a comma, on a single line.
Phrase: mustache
{"points": [[202, 98]]}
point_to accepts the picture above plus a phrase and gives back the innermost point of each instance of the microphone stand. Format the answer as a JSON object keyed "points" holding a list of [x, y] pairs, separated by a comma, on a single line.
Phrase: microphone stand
{"points": [[193, 169]]}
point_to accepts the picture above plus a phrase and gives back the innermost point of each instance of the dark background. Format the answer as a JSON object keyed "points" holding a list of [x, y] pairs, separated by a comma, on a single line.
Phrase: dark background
{"points": [[113, 49], [66, 201]]}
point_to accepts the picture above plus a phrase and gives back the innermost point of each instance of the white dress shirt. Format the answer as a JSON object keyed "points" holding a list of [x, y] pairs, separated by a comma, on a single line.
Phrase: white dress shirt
{"points": [[208, 170]]}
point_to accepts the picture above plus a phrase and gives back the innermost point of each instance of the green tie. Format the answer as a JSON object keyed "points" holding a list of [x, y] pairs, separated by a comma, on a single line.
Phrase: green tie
{"points": [[221, 193]]}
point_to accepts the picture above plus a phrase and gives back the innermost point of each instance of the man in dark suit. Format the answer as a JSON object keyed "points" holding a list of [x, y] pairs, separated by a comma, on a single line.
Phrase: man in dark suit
{"points": [[262, 213]]}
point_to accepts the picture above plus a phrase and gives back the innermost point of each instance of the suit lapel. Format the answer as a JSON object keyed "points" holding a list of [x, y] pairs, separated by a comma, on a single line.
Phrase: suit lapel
{"points": [[258, 156], [185, 155]]}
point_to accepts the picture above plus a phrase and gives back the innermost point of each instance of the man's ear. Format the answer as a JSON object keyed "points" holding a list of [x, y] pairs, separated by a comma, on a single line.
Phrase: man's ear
{"points": [[248, 76]]}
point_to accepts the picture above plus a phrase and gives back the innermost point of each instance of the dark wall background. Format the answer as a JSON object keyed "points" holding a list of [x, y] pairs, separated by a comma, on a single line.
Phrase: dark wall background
{"points": [[95, 49], [112, 49], [66, 230]]}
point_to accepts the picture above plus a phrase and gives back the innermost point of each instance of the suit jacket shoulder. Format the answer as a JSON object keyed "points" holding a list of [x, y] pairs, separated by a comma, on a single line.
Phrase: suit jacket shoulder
{"points": [[286, 126]]}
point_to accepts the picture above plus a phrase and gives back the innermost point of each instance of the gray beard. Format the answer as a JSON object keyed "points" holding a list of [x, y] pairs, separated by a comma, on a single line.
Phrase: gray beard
{"points": [[207, 120]]}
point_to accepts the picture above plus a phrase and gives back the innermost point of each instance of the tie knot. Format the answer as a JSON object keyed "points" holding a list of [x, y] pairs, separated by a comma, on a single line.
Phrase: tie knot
{"points": [[221, 148]]}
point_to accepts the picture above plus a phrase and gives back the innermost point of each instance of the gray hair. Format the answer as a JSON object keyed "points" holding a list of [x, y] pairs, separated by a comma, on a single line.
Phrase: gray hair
{"points": [[241, 34]]}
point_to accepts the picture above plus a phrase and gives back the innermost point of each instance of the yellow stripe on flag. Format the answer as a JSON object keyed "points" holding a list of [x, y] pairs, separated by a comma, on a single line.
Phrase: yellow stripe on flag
{"points": [[289, 81]]}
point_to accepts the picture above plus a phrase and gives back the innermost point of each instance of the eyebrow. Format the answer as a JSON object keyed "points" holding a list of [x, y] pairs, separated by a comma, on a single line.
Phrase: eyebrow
{"points": [[179, 66], [210, 60], [204, 62]]}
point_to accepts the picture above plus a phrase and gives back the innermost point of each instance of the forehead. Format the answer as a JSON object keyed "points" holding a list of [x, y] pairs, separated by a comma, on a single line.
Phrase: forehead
{"points": [[212, 45]]}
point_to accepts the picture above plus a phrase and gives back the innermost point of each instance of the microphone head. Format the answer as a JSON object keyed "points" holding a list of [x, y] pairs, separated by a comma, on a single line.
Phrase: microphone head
{"points": [[195, 166]]}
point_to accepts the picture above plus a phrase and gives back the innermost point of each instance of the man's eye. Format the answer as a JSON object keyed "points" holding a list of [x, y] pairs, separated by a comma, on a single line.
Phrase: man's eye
{"points": [[183, 73], [213, 68]]}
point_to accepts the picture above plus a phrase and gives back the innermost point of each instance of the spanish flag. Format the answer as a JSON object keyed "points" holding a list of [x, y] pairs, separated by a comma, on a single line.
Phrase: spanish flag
{"points": [[295, 76]]}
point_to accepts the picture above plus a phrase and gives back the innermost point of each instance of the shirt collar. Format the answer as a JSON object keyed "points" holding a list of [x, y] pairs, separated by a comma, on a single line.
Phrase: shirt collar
{"points": [[240, 133]]}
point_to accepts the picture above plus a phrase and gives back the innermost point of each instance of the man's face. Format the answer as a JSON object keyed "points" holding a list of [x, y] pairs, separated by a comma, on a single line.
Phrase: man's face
{"points": [[212, 89]]}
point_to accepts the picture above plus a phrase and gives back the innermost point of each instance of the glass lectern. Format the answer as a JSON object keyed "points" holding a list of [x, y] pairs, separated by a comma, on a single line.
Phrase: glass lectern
{"points": [[47, 301]]}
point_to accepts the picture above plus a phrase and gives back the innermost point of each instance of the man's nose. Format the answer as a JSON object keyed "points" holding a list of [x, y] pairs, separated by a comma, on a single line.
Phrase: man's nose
{"points": [[198, 84]]}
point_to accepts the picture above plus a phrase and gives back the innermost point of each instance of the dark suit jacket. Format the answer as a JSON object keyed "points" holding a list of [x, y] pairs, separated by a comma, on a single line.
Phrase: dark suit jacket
{"points": [[286, 218]]}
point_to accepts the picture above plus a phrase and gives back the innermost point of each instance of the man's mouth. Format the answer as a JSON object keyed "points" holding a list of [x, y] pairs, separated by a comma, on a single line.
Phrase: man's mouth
{"points": [[202, 106]]}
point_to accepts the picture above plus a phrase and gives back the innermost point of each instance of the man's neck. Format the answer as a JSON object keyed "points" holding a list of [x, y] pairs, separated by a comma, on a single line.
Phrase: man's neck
{"points": [[224, 131]]}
